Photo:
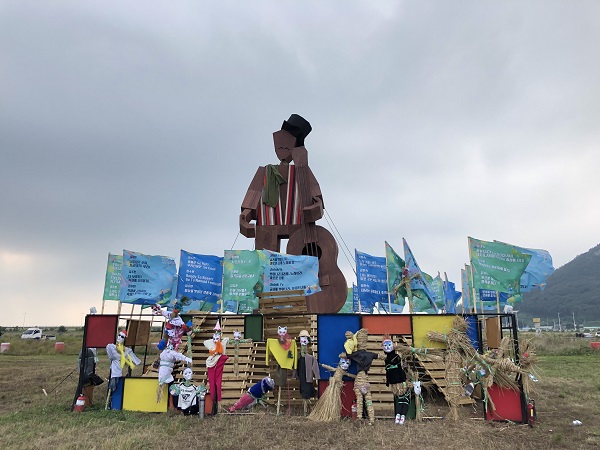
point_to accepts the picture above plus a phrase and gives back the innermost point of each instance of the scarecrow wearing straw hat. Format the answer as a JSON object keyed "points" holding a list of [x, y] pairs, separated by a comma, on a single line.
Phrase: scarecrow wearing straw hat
{"points": [[308, 370]]}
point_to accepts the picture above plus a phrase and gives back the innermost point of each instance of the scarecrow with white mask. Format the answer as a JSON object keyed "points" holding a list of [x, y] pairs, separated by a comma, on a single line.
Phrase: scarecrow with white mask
{"points": [[395, 379], [185, 394], [168, 358], [215, 363], [175, 327], [237, 340], [119, 356], [329, 406], [284, 350]]}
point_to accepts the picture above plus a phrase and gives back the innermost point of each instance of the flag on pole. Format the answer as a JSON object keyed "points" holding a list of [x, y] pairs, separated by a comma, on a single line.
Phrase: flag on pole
{"points": [[372, 280], [289, 272], [467, 302], [200, 280], [496, 266], [112, 281], [417, 279], [451, 297], [147, 279], [537, 271], [394, 266], [242, 279]]}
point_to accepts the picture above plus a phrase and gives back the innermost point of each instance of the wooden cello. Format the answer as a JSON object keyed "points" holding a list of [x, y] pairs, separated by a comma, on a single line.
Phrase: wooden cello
{"points": [[314, 240]]}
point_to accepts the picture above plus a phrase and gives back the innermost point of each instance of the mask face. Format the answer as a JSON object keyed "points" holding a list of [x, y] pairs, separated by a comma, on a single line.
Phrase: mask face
{"points": [[120, 338], [187, 374], [344, 363], [303, 340], [237, 335], [281, 331], [216, 337], [388, 346]]}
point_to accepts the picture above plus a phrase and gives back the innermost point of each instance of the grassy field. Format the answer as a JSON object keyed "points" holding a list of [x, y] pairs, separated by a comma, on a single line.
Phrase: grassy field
{"points": [[569, 389]]}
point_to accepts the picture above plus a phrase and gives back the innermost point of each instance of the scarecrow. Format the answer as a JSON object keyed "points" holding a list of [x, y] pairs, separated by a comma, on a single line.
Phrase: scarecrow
{"points": [[215, 363], [185, 394], [329, 406], [284, 350], [357, 343], [168, 358], [119, 357], [256, 394], [395, 379], [237, 340], [308, 370], [175, 326]]}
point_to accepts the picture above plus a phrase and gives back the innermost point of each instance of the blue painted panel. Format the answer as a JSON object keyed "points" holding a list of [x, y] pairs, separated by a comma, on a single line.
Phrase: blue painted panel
{"points": [[330, 332]]}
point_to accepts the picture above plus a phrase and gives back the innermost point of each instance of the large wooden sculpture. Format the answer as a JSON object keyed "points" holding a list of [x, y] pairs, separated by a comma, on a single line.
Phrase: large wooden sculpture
{"points": [[285, 202]]}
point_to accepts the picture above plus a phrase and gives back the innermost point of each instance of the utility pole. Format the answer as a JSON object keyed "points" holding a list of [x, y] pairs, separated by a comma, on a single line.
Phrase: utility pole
{"points": [[559, 328], [574, 325]]}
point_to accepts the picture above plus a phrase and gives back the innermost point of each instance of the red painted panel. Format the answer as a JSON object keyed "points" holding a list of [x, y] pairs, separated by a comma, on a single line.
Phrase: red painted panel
{"points": [[387, 324], [347, 395], [507, 404], [101, 330]]}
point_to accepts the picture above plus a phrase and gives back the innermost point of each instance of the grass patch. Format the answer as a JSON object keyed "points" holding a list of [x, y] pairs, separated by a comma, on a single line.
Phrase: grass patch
{"points": [[569, 389]]}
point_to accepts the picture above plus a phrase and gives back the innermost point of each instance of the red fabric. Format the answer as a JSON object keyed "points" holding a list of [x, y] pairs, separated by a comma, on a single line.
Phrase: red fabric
{"points": [[347, 395], [244, 401], [215, 378]]}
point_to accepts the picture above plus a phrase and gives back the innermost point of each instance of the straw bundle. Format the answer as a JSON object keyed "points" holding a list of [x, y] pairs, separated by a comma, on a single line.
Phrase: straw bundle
{"points": [[329, 406]]}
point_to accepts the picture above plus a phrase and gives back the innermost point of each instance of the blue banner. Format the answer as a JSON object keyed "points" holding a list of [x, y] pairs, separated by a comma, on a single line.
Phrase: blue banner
{"points": [[147, 279], [290, 272], [451, 297], [200, 280], [371, 277]]}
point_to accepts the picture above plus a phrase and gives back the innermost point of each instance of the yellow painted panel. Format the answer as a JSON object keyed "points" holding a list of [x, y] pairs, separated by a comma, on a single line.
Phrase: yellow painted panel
{"points": [[424, 323], [139, 394]]}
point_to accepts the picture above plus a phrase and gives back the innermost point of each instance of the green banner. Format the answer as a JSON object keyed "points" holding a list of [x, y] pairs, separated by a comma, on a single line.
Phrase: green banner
{"points": [[496, 266], [112, 281], [394, 265], [348, 307], [242, 279]]}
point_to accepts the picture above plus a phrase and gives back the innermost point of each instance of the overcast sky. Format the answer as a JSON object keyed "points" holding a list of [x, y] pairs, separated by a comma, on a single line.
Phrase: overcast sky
{"points": [[139, 126]]}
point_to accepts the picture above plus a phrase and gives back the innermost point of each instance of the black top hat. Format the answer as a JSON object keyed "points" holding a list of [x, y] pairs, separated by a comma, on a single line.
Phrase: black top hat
{"points": [[297, 126]]}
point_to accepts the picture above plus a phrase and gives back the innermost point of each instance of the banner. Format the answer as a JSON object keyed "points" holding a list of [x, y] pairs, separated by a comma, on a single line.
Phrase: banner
{"points": [[417, 280], [147, 279], [200, 280], [394, 265], [358, 305], [371, 277], [242, 279], [112, 281], [289, 272], [496, 266], [537, 271]]}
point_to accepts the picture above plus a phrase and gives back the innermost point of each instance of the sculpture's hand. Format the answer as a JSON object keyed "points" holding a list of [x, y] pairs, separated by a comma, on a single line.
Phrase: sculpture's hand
{"points": [[246, 228]]}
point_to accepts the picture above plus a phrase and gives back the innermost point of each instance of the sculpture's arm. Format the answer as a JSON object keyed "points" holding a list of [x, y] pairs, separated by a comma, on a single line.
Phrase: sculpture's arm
{"points": [[251, 203]]}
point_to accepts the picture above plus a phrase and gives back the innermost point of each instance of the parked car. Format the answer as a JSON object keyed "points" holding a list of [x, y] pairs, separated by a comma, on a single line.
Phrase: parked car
{"points": [[588, 335], [36, 333], [597, 333]]}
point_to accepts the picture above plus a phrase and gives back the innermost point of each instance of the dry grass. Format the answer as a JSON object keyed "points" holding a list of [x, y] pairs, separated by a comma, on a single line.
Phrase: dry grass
{"points": [[569, 389]]}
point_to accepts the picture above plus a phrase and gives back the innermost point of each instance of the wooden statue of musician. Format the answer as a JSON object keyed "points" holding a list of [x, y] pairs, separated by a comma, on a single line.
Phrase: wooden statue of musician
{"points": [[284, 201]]}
